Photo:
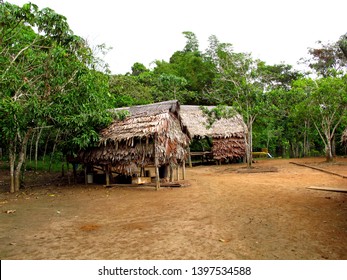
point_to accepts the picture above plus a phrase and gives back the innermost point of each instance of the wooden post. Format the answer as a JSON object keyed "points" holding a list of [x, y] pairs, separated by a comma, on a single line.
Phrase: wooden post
{"points": [[184, 169], [171, 173], [177, 172], [85, 175], [107, 174], [156, 164], [189, 158], [157, 179]]}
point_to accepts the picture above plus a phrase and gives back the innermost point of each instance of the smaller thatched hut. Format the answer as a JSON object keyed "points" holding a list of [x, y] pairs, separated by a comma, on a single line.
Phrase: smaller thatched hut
{"points": [[228, 141], [151, 135]]}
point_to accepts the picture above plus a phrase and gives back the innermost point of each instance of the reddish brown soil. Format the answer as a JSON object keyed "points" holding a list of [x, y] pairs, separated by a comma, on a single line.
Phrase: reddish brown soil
{"points": [[223, 214]]}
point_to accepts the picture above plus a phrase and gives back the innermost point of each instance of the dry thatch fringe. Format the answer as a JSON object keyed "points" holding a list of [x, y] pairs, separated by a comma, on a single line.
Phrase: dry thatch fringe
{"points": [[228, 148]]}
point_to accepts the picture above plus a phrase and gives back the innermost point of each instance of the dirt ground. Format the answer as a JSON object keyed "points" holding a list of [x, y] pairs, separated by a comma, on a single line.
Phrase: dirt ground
{"points": [[225, 213]]}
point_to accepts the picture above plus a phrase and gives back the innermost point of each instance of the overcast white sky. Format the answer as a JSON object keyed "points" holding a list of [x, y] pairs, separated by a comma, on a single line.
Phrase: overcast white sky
{"points": [[147, 30]]}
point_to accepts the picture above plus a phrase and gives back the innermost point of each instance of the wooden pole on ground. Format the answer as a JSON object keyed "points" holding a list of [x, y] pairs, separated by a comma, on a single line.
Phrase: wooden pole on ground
{"points": [[189, 158], [107, 174], [156, 163], [157, 179], [85, 175], [183, 169], [177, 172], [171, 173]]}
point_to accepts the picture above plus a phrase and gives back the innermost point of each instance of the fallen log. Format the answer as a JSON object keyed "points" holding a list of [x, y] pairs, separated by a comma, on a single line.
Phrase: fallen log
{"points": [[328, 189], [319, 169]]}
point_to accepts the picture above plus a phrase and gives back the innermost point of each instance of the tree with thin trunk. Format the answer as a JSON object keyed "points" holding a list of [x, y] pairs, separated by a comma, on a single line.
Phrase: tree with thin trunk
{"points": [[238, 83], [326, 106], [48, 76]]}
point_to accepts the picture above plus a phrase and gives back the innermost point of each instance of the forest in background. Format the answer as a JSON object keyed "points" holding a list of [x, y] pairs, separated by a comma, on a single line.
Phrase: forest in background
{"points": [[56, 91]]}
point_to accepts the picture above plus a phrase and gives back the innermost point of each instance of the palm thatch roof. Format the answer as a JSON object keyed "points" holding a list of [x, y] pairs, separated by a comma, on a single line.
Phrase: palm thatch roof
{"points": [[227, 134], [150, 135], [144, 121], [197, 123]]}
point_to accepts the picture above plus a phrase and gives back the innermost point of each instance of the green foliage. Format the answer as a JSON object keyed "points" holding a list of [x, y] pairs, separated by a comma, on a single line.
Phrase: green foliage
{"points": [[342, 43], [130, 90], [198, 145], [138, 68], [217, 112], [189, 64], [192, 44], [48, 78], [41, 165], [121, 114]]}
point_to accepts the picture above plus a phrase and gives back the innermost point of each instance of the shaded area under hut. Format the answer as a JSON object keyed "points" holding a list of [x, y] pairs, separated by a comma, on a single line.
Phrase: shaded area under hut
{"points": [[226, 136], [150, 136]]}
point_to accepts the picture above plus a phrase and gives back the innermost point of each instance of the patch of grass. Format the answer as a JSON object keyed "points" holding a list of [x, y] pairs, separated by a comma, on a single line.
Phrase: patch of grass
{"points": [[41, 165]]}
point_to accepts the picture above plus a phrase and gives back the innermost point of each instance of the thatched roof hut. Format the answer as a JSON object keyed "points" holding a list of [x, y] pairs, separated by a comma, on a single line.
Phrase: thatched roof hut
{"points": [[150, 135], [227, 133]]}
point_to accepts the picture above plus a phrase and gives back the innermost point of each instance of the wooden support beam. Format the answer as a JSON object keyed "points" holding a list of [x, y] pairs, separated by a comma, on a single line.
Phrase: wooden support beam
{"points": [[157, 179], [85, 175], [156, 164], [177, 172], [189, 158], [107, 174], [171, 173], [183, 169]]}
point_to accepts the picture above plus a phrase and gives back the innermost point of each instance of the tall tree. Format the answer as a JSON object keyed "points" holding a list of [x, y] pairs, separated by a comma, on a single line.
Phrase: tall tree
{"points": [[131, 90], [272, 126], [326, 104], [172, 86], [191, 65], [192, 44], [327, 59], [238, 83], [48, 77]]}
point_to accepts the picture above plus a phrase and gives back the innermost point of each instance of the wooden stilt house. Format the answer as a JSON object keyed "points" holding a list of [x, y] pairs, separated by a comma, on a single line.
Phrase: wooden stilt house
{"points": [[227, 134], [151, 135]]}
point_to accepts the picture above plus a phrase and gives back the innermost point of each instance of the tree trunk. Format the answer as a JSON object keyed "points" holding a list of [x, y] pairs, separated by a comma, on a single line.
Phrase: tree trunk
{"points": [[328, 152], [12, 159], [21, 158], [31, 148], [328, 147], [249, 146], [333, 146], [37, 146], [306, 146], [45, 151], [53, 150]]}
